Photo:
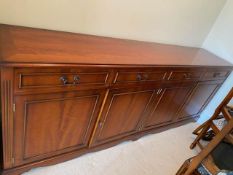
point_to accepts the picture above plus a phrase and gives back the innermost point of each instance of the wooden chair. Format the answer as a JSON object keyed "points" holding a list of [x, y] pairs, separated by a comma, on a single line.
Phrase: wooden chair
{"points": [[204, 157], [223, 109]]}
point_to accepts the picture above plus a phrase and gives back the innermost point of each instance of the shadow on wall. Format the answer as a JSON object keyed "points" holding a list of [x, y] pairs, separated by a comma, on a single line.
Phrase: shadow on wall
{"points": [[219, 96]]}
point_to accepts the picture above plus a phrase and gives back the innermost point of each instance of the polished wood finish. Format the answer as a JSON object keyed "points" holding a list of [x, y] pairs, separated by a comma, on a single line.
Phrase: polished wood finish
{"points": [[202, 93], [60, 79], [72, 113], [139, 77], [73, 154], [7, 116], [64, 94], [45, 80], [185, 75], [215, 74], [123, 112], [167, 103], [20, 44]]}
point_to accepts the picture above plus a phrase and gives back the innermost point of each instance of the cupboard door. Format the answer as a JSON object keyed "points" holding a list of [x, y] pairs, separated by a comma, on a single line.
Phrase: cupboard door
{"points": [[123, 111], [166, 105], [51, 124], [199, 98]]}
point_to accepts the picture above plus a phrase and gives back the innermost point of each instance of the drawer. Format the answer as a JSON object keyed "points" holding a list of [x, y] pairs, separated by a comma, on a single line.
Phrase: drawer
{"points": [[185, 75], [59, 78], [139, 77], [216, 74]]}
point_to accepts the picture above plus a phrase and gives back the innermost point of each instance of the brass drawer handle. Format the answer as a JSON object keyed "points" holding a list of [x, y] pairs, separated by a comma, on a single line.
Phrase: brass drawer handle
{"points": [[64, 80], [76, 79], [142, 77], [139, 77]]}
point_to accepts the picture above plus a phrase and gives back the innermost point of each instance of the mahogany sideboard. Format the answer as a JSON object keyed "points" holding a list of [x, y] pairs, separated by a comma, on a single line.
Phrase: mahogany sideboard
{"points": [[66, 94]]}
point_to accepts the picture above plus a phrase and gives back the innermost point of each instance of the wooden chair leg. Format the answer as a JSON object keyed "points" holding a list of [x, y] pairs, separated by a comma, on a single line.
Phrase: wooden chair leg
{"points": [[199, 136], [183, 168], [196, 131], [205, 127]]}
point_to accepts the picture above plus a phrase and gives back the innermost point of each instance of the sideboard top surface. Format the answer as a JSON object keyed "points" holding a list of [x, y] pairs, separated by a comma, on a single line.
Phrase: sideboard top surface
{"points": [[28, 45]]}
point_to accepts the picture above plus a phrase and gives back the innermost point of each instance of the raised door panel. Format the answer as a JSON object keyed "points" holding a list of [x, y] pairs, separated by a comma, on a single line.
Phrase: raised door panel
{"points": [[199, 98], [122, 113], [47, 125], [166, 106]]}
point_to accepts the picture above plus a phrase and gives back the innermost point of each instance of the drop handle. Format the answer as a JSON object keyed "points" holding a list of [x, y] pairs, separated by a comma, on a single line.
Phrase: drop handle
{"points": [[139, 77], [76, 79], [64, 80]]}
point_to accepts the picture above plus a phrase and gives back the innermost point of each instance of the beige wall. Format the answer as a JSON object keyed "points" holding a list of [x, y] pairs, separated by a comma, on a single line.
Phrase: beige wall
{"points": [[220, 42], [182, 22], [220, 38]]}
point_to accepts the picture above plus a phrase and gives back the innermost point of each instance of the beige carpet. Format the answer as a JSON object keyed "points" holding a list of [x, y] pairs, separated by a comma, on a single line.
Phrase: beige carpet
{"points": [[155, 154]]}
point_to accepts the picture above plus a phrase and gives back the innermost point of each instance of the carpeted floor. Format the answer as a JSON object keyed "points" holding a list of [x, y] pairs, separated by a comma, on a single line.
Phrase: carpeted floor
{"points": [[156, 154]]}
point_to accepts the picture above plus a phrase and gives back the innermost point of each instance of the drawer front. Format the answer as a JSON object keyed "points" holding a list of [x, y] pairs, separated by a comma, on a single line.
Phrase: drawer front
{"points": [[139, 77], [216, 74], [185, 75], [30, 78]]}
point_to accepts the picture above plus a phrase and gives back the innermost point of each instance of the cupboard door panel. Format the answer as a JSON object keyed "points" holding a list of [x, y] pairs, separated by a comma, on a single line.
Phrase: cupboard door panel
{"points": [[166, 106], [199, 98], [122, 113], [47, 125]]}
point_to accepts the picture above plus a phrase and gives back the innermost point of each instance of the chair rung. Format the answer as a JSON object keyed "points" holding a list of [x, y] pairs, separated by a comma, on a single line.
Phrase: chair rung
{"points": [[200, 145], [209, 164], [229, 138], [197, 131], [226, 113], [215, 128]]}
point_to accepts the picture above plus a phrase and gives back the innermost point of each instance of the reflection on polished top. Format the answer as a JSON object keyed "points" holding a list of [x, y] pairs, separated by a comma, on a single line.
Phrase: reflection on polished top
{"points": [[27, 45]]}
